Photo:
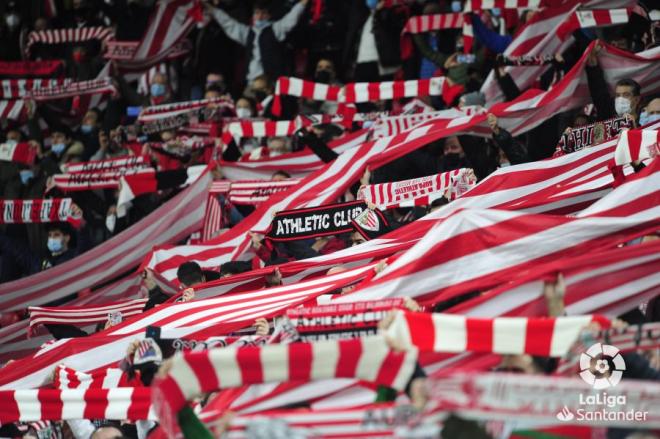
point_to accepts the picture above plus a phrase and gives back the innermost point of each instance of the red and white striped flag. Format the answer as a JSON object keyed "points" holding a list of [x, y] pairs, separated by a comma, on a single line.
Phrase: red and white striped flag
{"points": [[110, 378], [593, 18]]}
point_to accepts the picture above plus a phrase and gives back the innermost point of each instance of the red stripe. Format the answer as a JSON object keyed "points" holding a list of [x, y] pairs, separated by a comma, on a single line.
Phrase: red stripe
{"points": [[350, 352], [390, 367], [205, 372], [51, 403], [420, 326], [308, 89], [249, 363], [398, 89], [9, 408], [373, 91], [300, 361], [71, 375], [479, 335], [538, 337], [96, 403]]}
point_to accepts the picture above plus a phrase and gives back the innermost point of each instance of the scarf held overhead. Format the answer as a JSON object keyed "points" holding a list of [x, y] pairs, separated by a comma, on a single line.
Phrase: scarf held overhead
{"points": [[38, 211]]}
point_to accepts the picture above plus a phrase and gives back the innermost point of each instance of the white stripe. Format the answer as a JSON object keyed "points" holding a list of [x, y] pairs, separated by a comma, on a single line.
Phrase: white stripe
{"points": [[509, 335]]}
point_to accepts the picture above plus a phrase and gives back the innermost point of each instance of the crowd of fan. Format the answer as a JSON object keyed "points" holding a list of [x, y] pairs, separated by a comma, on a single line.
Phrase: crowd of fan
{"points": [[238, 54]]}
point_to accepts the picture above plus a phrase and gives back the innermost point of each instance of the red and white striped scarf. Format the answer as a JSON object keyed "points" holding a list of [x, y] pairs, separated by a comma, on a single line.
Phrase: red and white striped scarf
{"points": [[258, 191], [82, 315], [114, 164], [72, 89], [132, 403], [70, 35], [419, 191], [155, 112], [21, 152], [19, 88], [359, 92], [126, 50], [68, 378], [593, 18], [38, 211], [87, 181], [547, 337], [479, 5], [191, 374], [637, 145], [237, 130], [427, 23]]}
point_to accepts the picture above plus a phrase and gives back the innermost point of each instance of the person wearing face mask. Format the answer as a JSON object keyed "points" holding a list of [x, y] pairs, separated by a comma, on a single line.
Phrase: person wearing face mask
{"points": [[58, 247], [324, 73], [651, 113], [10, 32], [88, 133], [627, 92], [263, 39]]}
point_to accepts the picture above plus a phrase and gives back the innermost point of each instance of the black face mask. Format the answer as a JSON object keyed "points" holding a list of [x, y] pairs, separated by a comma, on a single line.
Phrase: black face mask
{"points": [[323, 76], [452, 160]]}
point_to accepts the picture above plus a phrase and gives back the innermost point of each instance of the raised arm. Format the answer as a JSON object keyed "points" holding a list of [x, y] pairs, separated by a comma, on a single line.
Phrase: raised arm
{"points": [[282, 26], [234, 29]]}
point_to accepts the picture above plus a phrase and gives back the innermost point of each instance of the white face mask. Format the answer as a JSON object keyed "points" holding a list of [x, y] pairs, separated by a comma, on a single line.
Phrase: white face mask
{"points": [[243, 113], [110, 222], [622, 106]]}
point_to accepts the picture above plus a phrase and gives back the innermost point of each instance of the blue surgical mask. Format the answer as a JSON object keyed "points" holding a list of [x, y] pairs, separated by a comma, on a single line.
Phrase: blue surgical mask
{"points": [[456, 6], [58, 148], [55, 245], [157, 90], [645, 118], [371, 4], [26, 175], [86, 129], [496, 12], [260, 23]]}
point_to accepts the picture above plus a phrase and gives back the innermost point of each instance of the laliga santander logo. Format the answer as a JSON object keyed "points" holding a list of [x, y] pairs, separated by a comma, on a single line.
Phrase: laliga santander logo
{"points": [[602, 366]]}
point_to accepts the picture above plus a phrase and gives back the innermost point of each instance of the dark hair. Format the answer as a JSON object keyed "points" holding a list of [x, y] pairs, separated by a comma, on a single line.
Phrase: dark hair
{"points": [[264, 5], [234, 267], [190, 273], [216, 88], [627, 82], [65, 228]]}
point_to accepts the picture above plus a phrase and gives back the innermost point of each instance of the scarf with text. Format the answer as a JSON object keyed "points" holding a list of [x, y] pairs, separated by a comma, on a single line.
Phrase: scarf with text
{"points": [[125, 50], [312, 222], [114, 164], [38, 211], [585, 136], [87, 181], [258, 191], [22, 153], [191, 374], [523, 60], [346, 321], [73, 89], [419, 191], [30, 68], [20, 88], [547, 337], [71, 35]]}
